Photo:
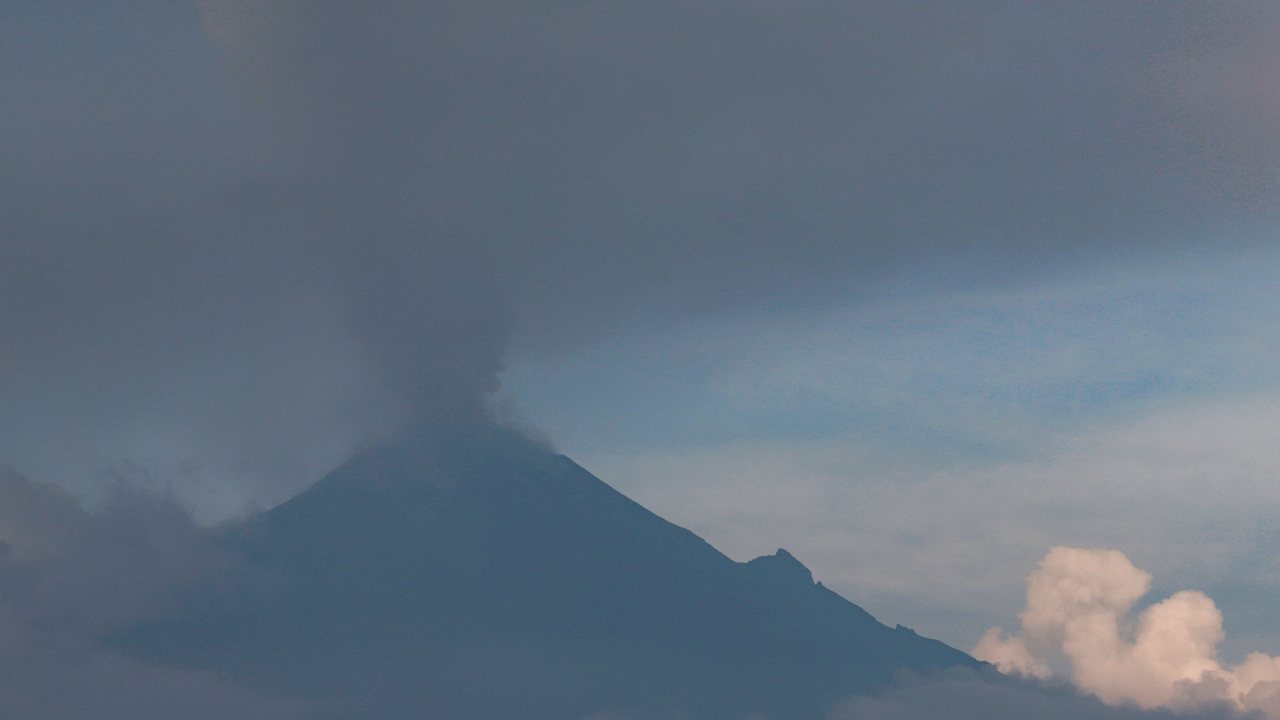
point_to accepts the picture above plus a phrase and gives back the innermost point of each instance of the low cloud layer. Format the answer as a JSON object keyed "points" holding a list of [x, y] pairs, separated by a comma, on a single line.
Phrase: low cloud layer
{"points": [[71, 580], [1079, 611], [971, 696]]}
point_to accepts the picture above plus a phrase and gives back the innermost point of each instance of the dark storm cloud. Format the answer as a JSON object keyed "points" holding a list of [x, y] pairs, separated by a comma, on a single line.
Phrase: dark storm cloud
{"points": [[589, 153], [333, 216]]}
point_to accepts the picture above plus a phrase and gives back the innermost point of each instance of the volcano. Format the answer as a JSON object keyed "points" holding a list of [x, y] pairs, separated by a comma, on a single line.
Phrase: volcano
{"points": [[489, 577]]}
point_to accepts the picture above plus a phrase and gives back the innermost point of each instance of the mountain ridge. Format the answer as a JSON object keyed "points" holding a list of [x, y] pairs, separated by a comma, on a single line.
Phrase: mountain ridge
{"points": [[498, 579]]}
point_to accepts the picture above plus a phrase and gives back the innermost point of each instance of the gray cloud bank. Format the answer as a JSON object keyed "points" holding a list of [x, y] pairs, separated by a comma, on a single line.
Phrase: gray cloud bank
{"points": [[241, 238], [70, 580]]}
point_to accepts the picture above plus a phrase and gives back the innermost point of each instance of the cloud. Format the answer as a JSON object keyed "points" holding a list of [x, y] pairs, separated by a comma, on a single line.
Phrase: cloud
{"points": [[244, 238], [1078, 607], [114, 688], [1010, 654], [969, 696], [71, 579]]}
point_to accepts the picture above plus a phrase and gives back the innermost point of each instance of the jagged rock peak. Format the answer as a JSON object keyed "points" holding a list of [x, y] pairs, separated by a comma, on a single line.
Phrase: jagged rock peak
{"points": [[782, 566]]}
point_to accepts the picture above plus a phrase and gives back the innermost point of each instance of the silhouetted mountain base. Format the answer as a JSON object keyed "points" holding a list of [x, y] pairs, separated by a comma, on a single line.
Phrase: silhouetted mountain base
{"points": [[486, 577]]}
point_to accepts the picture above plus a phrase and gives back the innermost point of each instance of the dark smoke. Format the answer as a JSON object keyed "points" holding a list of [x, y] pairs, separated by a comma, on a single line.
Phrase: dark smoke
{"points": [[242, 239]]}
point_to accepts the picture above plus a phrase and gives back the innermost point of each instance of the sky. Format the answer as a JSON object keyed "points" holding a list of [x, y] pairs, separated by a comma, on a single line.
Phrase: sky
{"points": [[924, 449], [918, 291]]}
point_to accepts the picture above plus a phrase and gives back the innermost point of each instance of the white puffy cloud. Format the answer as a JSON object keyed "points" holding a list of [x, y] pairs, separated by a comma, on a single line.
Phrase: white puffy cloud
{"points": [[1078, 611], [1010, 654]]}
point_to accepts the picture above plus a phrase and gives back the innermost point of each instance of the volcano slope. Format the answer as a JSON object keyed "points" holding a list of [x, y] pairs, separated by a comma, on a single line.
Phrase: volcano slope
{"points": [[491, 578]]}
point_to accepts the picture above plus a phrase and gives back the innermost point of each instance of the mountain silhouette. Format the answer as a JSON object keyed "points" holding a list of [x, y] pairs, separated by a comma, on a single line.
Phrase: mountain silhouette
{"points": [[487, 577]]}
